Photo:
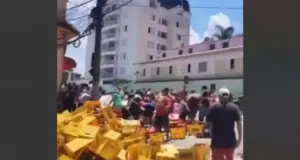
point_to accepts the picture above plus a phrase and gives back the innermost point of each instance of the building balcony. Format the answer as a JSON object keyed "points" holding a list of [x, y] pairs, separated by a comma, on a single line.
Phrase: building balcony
{"points": [[107, 62], [105, 66], [110, 23], [107, 73], [109, 46], [109, 33], [107, 53]]}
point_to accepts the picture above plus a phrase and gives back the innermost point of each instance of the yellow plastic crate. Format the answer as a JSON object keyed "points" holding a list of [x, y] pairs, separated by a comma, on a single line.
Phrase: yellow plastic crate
{"points": [[202, 151], [122, 155], [193, 129], [88, 131], [145, 152], [75, 147], [133, 151], [89, 120], [108, 150], [108, 113], [186, 154], [157, 138], [64, 157], [127, 141], [115, 125], [113, 136], [178, 133]]}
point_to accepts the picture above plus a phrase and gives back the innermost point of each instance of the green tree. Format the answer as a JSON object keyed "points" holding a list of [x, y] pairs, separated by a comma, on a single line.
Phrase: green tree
{"points": [[223, 33]]}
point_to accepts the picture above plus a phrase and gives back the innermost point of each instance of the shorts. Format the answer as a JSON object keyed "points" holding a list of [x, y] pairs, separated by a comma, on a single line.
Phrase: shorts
{"points": [[162, 122], [222, 153]]}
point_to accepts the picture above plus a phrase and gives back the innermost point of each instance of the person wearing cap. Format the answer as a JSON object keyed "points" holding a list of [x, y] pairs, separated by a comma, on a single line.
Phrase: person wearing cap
{"points": [[221, 118]]}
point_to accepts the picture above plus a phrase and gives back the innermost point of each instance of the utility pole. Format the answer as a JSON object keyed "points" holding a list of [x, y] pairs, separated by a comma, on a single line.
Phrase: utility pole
{"points": [[97, 16]]}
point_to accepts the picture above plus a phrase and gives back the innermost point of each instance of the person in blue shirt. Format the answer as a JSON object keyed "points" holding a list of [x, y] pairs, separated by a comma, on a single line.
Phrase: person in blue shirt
{"points": [[149, 108]]}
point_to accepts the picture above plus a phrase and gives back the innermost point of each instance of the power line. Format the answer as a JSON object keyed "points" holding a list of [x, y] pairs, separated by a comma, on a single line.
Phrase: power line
{"points": [[196, 7], [79, 5], [76, 18]]}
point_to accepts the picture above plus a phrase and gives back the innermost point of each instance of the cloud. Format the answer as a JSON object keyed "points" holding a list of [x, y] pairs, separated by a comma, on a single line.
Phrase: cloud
{"points": [[217, 19], [194, 37]]}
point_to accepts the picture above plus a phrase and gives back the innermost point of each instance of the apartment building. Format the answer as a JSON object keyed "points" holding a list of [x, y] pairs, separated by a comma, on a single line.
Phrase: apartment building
{"points": [[133, 33], [214, 63]]}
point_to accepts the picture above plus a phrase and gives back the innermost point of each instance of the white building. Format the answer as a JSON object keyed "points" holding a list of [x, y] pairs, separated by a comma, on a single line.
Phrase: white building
{"points": [[216, 63], [131, 34]]}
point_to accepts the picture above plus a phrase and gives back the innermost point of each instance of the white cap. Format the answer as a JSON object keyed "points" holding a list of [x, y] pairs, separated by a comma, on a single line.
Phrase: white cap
{"points": [[224, 91], [137, 96]]}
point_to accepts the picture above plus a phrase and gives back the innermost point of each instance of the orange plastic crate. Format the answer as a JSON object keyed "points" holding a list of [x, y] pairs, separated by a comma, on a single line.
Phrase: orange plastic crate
{"points": [[178, 133]]}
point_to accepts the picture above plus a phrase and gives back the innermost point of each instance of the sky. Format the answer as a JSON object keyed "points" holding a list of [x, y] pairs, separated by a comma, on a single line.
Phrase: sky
{"points": [[202, 23]]}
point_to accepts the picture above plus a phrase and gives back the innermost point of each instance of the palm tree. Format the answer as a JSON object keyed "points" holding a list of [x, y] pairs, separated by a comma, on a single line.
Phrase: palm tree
{"points": [[206, 39], [223, 33]]}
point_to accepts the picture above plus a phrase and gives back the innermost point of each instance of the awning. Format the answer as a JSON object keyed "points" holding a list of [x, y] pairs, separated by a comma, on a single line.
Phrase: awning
{"points": [[69, 63]]}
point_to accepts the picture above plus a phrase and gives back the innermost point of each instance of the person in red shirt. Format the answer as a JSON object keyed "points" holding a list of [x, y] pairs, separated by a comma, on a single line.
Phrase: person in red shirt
{"points": [[163, 105]]}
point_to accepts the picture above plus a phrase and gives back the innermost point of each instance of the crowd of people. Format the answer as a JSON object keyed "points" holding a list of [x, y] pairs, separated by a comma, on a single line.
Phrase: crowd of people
{"points": [[218, 110]]}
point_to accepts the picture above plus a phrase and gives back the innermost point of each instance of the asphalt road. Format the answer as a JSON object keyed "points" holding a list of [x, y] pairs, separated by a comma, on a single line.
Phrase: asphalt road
{"points": [[191, 140]]}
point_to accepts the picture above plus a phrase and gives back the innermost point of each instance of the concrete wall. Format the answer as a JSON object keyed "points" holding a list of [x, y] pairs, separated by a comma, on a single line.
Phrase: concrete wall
{"points": [[234, 85]]}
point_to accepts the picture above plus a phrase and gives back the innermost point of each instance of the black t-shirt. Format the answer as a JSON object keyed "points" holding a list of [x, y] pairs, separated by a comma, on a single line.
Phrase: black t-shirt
{"points": [[223, 118]]}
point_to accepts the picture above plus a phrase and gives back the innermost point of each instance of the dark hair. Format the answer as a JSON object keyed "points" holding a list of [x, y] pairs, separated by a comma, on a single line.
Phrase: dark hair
{"points": [[205, 103], [166, 90], [130, 96], [193, 91], [205, 94]]}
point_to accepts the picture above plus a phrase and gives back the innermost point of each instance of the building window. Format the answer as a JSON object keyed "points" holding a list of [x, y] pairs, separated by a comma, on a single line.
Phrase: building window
{"points": [[162, 34], [232, 64], [164, 55], [151, 30], [150, 44], [124, 56], [125, 28], [110, 57], [163, 47], [225, 44], [212, 46], [158, 47], [177, 24], [163, 21], [202, 67], [144, 72], [189, 68], [151, 57], [152, 3], [157, 71], [178, 37], [180, 52], [153, 17], [190, 50], [170, 69]]}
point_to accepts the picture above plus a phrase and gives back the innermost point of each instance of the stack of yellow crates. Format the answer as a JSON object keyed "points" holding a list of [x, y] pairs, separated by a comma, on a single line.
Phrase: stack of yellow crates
{"points": [[95, 130]]}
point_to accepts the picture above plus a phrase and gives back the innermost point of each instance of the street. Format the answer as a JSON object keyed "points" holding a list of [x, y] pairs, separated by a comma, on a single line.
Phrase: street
{"points": [[191, 140]]}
